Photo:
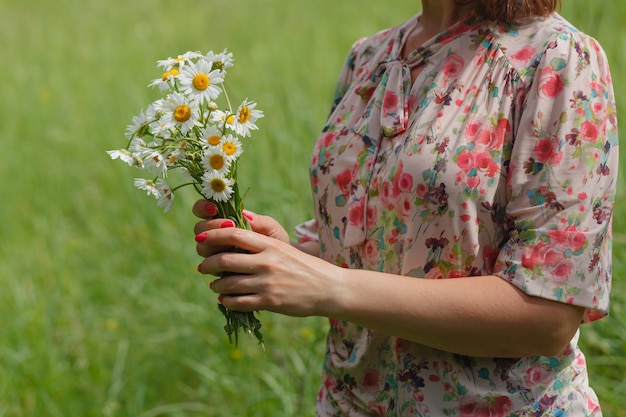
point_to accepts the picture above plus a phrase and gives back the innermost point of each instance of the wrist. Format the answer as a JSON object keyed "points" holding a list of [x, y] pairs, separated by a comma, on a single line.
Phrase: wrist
{"points": [[337, 293]]}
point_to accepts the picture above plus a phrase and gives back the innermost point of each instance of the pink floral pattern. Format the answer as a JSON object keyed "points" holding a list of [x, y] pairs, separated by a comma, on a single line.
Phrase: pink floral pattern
{"points": [[500, 158]]}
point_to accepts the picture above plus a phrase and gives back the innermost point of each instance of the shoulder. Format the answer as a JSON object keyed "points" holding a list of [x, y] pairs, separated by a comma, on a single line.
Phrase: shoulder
{"points": [[528, 45]]}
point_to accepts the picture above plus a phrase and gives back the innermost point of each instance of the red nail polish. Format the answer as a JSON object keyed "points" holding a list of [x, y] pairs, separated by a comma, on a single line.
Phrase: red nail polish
{"points": [[200, 268], [247, 215], [211, 209], [220, 298], [227, 223], [201, 237]]}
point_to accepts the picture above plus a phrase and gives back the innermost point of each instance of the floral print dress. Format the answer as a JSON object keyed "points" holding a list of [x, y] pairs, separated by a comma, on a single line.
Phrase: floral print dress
{"points": [[500, 158]]}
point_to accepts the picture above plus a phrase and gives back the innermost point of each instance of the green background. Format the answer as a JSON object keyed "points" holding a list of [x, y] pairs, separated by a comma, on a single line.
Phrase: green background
{"points": [[102, 312]]}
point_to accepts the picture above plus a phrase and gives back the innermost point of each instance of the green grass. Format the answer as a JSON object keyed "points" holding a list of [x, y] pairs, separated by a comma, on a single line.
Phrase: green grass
{"points": [[101, 310]]}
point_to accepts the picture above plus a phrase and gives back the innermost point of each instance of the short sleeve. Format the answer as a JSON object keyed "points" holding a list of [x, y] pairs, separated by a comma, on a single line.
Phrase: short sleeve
{"points": [[307, 231], [561, 180]]}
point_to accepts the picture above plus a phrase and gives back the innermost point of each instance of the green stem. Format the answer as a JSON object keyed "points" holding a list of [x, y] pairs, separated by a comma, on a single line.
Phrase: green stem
{"points": [[230, 107]]}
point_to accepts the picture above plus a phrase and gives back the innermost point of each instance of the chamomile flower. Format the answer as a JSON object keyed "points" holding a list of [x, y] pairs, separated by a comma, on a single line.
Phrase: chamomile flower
{"points": [[178, 111], [211, 136], [123, 154], [231, 147], [179, 62], [221, 116], [133, 156], [161, 128], [156, 162], [139, 150], [245, 118], [214, 159], [165, 196], [148, 186], [200, 81], [139, 123], [167, 80], [220, 61], [216, 186], [173, 157]]}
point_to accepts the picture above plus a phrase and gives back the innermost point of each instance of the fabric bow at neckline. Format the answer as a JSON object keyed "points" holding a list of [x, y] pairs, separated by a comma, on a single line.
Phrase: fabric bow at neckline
{"points": [[386, 90], [386, 115]]}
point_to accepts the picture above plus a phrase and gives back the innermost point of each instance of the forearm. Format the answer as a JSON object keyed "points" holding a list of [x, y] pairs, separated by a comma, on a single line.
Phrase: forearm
{"points": [[478, 316]]}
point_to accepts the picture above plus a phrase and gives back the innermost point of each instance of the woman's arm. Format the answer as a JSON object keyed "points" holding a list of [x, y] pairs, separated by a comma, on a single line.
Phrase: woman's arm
{"points": [[477, 316]]}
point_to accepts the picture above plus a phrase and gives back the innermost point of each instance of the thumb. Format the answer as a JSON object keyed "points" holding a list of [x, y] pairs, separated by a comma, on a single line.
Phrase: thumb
{"points": [[266, 225]]}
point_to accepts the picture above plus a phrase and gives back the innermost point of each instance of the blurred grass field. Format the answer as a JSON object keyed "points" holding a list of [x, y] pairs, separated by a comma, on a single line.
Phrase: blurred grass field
{"points": [[102, 312]]}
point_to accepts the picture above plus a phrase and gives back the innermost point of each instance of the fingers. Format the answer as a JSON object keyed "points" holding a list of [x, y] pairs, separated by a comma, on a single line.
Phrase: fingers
{"points": [[243, 302], [204, 246], [218, 245], [224, 235], [238, 251], [243, 293], [231, 285], [207, 225], [227, 262], [204, 209], [237, 291], [266, 225]]}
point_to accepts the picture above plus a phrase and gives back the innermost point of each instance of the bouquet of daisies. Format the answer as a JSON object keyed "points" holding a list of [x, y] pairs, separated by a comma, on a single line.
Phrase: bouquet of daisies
{"points": [[189, 132]]}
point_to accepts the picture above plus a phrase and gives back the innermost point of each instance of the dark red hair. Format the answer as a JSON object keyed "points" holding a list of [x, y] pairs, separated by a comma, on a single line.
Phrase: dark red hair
{"points": [[512, 11]]}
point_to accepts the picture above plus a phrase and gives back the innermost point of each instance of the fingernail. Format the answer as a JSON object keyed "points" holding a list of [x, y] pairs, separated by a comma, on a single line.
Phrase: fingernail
{"points": [[247, 215], [220, 298], [199, 267], [227, 223], [211, 209], [201, 237]]}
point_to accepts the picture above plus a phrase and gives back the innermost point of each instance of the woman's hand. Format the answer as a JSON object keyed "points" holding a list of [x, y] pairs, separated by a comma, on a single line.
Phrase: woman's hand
{"points": [[270, 274], [260, 224]]}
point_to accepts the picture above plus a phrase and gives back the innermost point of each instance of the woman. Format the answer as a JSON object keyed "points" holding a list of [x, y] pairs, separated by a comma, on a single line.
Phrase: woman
{"points": [[478, 141]]}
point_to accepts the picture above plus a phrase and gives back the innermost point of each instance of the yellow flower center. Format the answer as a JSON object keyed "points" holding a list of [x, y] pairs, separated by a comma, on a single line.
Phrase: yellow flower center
{"points": [[182, 113], [244, 114], [172, 73], [216, 161], [201, 82], [229, 148], [218, 185], [214, 140], [229, 120]]}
